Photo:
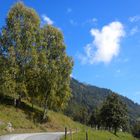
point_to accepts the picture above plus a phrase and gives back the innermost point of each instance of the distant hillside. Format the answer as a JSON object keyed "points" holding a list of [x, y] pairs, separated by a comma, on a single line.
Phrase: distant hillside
{"points": [[89, 97]]}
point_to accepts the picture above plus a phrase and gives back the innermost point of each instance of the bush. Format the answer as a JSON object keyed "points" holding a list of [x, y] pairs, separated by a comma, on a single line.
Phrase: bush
{"points": [[136, 130]]}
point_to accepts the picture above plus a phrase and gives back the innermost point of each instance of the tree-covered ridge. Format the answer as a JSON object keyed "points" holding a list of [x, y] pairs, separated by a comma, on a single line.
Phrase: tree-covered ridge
{"points": [[87, 97]]}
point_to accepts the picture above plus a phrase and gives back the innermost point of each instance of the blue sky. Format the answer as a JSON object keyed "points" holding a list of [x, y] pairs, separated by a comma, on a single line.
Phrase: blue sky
{"points": [[102, 36]]}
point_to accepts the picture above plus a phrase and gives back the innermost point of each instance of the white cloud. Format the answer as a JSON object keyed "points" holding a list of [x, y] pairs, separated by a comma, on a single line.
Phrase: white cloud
{"points": [[47, 20], [134, 30], [134, 19], [106, 44]]}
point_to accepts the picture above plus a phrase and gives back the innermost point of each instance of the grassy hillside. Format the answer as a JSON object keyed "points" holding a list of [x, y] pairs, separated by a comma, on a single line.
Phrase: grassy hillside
{"points": [[101, 135], [21, 120]]}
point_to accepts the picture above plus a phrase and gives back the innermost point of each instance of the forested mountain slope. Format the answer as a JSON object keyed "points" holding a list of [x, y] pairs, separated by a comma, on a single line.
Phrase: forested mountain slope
{"points": [[87, 97]]}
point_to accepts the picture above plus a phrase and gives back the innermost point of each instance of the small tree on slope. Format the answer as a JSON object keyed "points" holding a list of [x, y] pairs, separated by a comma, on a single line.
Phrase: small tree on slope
{"points": [[114, 113]]}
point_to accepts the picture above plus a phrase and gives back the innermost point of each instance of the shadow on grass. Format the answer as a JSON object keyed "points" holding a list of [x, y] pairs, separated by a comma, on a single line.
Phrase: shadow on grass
{"points": [[33, 114], [114, 133]]}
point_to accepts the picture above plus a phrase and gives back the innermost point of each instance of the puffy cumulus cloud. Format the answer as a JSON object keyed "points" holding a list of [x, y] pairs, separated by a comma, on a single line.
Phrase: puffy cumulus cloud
{"points": [[106, 43], [47, 20]]}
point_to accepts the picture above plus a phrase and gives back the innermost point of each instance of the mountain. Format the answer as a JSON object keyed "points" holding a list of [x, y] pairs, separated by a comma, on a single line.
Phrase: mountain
{"points": [[87, 97]]}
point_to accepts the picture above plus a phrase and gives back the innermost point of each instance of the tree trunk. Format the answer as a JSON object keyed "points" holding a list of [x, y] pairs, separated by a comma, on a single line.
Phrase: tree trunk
{"points": [[44, 113], [115, 131], [45, 107], [15, 102], [32, 103], [32, 106], [19, 101], [45, 110]]}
